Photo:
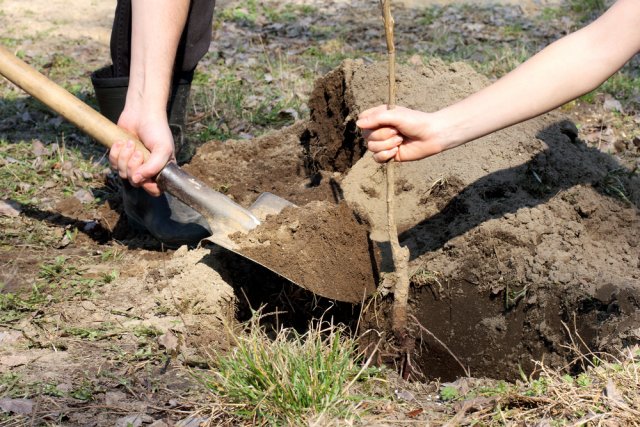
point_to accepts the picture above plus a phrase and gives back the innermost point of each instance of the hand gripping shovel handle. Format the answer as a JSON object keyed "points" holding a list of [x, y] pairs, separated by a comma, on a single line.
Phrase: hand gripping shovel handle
{"points": [[215, 207]]}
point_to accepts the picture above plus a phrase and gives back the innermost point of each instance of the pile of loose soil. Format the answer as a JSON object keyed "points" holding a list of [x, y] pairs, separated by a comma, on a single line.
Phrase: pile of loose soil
{"points": [[515, 239]]}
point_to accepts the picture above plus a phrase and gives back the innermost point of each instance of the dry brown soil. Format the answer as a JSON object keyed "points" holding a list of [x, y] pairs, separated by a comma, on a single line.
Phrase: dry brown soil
{"points": [[515, 239]]}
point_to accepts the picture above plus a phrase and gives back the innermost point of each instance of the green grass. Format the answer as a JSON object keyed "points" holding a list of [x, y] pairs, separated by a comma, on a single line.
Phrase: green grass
{"points": [[234, 105], [24, 175], [250, 12], [614, 184], [624, 86], [587, 9], [292, 378], [14, 307]]}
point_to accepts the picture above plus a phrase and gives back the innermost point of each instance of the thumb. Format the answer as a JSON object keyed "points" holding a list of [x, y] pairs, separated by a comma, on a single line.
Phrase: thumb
{"points": [[377, 117], [153, 165]]}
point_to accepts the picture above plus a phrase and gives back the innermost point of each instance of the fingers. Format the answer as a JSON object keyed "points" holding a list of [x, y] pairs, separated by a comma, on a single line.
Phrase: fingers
{"points": [[119, 157], [128, 162], [134, 163], [385, 155], [154, 164], [380, 134], [387, 144], [152, 188]]}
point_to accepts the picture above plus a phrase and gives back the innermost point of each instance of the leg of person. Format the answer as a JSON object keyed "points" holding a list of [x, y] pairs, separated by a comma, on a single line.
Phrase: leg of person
{"points": [[165, 217]]}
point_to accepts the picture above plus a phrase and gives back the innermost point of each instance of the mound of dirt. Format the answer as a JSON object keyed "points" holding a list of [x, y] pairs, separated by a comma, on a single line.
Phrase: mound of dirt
{"points": [[515, 239]]}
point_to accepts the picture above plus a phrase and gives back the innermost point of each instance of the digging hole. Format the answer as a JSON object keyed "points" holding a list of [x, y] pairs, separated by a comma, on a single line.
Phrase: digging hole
{"points": [[502, 275]]}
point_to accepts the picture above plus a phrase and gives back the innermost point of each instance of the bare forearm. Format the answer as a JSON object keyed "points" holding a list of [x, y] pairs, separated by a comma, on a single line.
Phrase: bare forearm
{"points": [[157, 27], [563, 71]]}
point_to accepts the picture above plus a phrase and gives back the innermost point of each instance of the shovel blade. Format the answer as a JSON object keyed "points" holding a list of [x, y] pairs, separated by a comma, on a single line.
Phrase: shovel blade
{"points": [[268, 204]]}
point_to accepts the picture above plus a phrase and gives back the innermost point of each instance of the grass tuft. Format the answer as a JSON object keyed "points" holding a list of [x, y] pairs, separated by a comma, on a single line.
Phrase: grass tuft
{"points": [[291, 378]]}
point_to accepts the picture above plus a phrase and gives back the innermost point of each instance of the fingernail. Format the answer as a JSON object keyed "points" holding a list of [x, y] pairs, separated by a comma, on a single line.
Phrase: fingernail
{"points": [[129, 144]]}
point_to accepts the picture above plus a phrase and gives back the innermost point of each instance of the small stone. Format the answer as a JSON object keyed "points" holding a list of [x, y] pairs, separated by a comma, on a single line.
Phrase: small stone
{"points": [[38, 149], [84, 196], [64, 387], [416, 60], [9, 337], [10, 208], [191, 422], [88, 305], [130, 421]]}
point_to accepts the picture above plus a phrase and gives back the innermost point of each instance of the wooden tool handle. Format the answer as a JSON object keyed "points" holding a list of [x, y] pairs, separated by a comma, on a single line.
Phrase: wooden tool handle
{"points": [[62, 102]]}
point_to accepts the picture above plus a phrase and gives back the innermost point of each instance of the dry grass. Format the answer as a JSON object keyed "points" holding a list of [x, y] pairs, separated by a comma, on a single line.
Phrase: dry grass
{"points": [[605, 393]]}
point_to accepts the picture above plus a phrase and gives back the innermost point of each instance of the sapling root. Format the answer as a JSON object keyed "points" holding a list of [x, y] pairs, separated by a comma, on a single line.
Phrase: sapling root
{"points": [[399, 253]]}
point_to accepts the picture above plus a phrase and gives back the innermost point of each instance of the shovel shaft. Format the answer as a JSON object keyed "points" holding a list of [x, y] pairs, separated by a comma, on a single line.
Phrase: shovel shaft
{"points": [[64, 103], [214, 206]]}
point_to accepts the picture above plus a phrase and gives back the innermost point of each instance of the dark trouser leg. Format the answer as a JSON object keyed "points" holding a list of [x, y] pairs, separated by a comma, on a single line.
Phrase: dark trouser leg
{"points": [[193, 44], [165, 217]]}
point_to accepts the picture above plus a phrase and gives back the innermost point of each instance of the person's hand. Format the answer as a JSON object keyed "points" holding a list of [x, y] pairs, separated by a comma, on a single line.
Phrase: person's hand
{"points": [[153, 130], [400, 133]]}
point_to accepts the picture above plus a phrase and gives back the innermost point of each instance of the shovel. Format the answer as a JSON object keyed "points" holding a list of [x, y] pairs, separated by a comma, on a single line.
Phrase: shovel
{"points": [[223, 214], [225, 217]]}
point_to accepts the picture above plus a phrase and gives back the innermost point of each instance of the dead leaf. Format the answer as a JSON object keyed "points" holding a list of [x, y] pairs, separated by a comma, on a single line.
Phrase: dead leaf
{"points": [[17, 406], [38, 149], [611, 391], [612, 104], [415, 413], [169, 341]]}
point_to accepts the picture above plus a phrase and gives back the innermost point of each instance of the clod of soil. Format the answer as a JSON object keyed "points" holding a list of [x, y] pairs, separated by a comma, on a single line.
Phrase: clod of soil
{"points": [[515, 239], [321, 246]]}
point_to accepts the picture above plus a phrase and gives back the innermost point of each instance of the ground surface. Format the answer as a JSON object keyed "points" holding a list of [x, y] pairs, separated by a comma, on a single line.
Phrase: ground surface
{"points": [[510, 237]]}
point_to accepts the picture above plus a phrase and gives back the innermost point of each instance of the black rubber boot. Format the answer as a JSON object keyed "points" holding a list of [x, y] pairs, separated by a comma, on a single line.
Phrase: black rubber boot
{"points": [[165, 217]]}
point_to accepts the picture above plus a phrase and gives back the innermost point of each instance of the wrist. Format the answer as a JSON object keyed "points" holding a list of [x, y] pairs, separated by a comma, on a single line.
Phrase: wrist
{"points": [[446, 131]]}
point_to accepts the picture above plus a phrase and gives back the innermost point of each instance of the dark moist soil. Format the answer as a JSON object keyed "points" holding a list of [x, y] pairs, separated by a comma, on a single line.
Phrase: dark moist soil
{"points": [[515, 239]]}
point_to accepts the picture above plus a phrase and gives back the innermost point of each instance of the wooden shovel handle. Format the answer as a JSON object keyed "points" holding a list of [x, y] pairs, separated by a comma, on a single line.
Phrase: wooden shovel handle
{"points": [[64, 103]]}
